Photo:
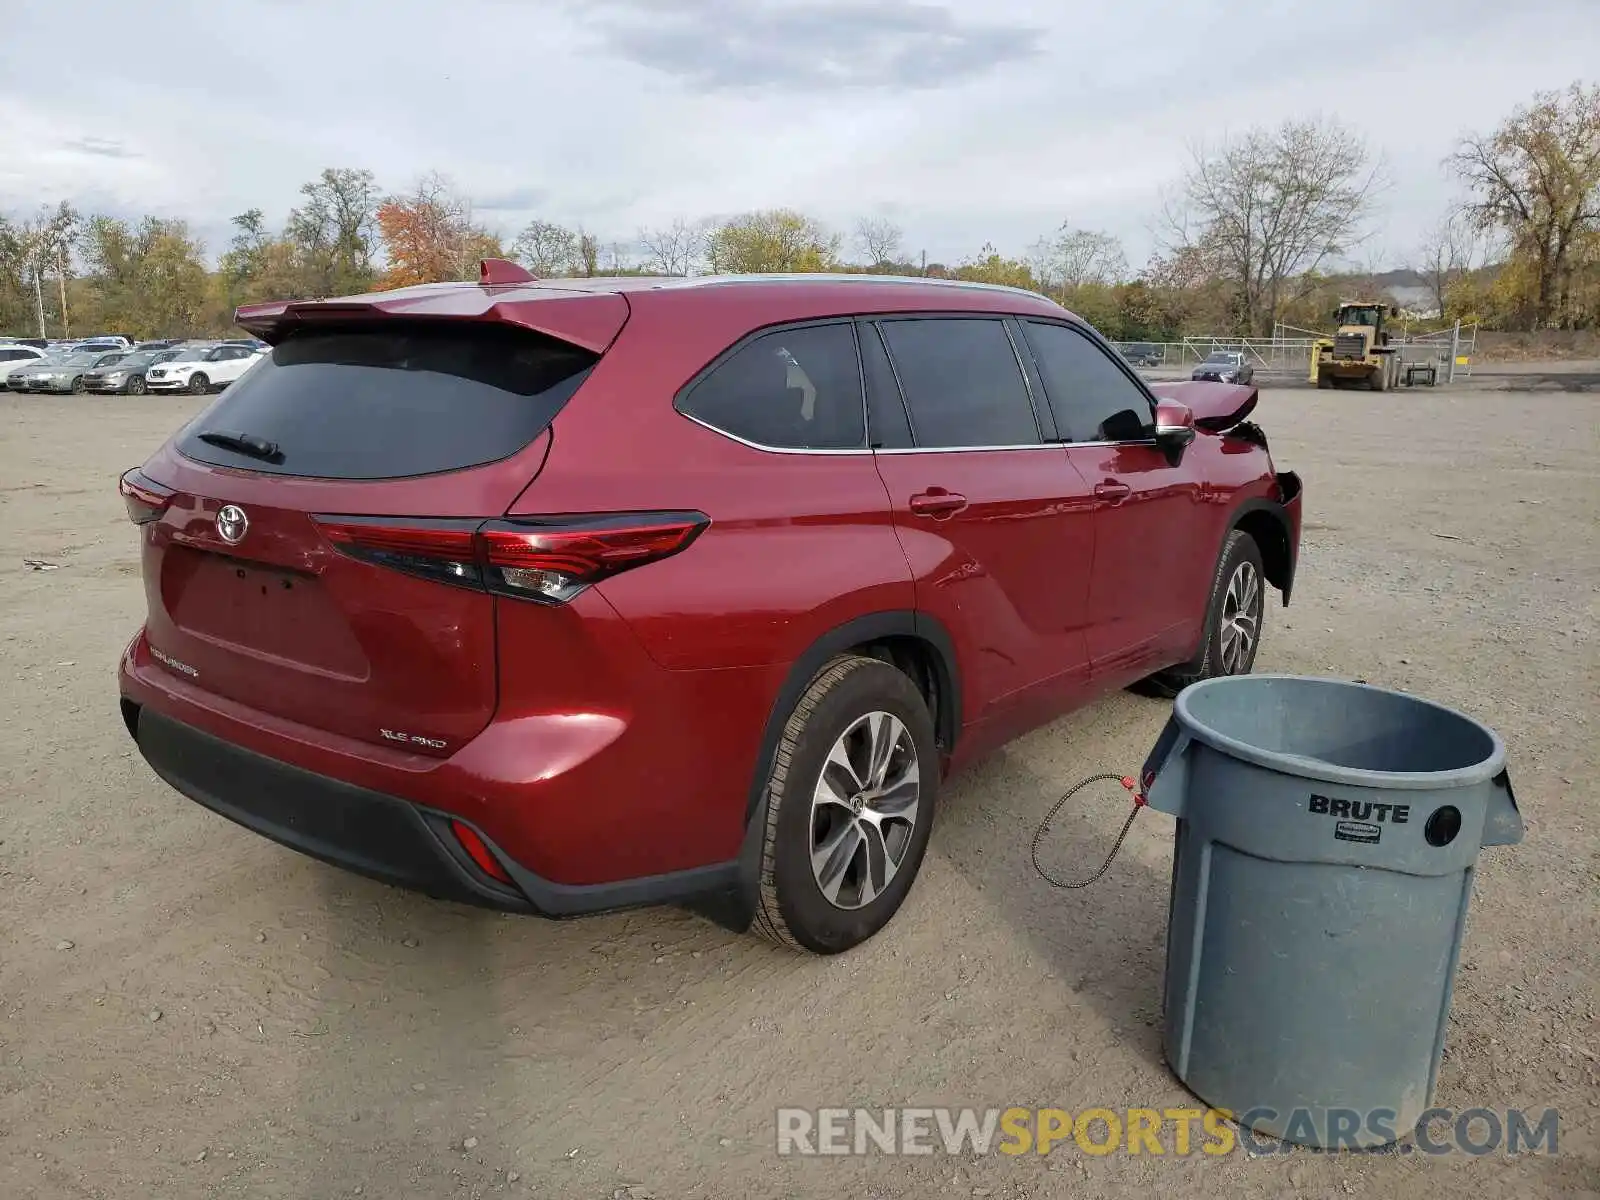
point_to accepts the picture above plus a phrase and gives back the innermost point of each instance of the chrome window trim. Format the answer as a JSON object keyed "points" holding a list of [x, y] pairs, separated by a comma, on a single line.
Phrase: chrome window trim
{"points": [[733, 437]]}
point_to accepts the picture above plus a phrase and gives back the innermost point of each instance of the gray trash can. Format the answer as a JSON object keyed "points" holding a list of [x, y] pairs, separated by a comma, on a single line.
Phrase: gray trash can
{"points": [[1327, 833]]}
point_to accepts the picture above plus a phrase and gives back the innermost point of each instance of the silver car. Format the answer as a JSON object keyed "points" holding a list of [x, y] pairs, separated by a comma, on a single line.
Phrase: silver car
{"points": [[63, 374]]}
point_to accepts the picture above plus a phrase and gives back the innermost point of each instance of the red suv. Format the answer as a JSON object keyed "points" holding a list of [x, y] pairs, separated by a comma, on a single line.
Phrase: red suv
{"points": [[574, 595]]}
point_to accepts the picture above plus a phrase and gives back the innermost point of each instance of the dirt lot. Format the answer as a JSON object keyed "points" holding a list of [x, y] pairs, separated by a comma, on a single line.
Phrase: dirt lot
{"points": [[188, 1010]]}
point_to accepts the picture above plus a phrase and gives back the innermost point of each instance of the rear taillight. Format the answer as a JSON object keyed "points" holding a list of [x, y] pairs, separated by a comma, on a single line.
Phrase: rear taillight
{"points": [[442, 550], [550, 559], [145, 499]]}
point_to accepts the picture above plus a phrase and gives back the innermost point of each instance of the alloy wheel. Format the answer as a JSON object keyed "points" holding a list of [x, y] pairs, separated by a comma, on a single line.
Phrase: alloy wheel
{"points": [[1241, 617], [864, 810]]}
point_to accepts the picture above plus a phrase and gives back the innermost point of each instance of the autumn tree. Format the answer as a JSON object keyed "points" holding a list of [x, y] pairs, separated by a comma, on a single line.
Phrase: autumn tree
{"points": [[548, 250], [990, 266], [1271, 207], [431, 235], [150, 279], [1536, 180], [777, 239], [333, 232]]}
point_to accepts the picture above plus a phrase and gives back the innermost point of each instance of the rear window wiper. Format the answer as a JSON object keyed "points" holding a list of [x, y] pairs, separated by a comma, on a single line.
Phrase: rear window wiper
{"points": [[243, 443]]}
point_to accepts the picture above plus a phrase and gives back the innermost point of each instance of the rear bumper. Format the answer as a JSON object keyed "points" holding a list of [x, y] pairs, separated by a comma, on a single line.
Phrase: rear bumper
{"points": [[384, 837]]}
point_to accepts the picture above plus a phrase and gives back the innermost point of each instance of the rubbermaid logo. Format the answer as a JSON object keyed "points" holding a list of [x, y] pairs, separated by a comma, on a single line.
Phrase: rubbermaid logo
{"points": [[1357, 831]]}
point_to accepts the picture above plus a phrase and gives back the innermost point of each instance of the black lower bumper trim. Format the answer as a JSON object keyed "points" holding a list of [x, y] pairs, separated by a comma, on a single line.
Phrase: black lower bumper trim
{"points": [[380, 836]]}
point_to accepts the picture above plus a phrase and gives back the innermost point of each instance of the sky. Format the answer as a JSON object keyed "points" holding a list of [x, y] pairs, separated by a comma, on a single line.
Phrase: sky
{"points": [[962, 121]]}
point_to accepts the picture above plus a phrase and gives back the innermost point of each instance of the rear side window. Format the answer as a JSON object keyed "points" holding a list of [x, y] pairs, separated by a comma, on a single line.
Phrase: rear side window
{"points": [[391, 400], [791, 389], [962, 383]]}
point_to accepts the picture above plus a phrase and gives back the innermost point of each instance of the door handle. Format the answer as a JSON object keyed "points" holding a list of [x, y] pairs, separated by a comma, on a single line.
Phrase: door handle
{"points": [[936, 502], [1112, 490]]}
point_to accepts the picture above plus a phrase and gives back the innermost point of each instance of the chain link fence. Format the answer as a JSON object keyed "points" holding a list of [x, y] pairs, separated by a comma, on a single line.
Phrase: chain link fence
{"points": [[1286, 355]]}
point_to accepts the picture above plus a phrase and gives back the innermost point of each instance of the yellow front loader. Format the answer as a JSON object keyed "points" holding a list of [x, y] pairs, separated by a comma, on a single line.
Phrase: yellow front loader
{"points": [[1360, 352]]}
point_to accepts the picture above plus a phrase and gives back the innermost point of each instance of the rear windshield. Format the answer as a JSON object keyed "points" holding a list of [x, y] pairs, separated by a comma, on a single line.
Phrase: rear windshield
{"points": [[388, 401]]}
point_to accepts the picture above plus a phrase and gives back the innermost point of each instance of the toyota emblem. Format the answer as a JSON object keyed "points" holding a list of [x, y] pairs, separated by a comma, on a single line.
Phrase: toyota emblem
{"points": [[232, 524]]}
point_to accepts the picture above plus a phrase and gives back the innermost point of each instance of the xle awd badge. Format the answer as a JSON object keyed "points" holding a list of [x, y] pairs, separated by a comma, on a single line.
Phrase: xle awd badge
{"points": [[232, 524]]}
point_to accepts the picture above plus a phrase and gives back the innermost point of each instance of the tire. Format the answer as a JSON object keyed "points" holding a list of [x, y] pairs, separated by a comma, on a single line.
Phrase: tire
{"points": [[199, 385], [78, 387], [136, 385], [1220, 654], [1324, 382], [847, 703]]}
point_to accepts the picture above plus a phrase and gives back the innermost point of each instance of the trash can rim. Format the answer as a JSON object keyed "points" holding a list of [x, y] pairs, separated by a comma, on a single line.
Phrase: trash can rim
{"points": [[1312, 768]]}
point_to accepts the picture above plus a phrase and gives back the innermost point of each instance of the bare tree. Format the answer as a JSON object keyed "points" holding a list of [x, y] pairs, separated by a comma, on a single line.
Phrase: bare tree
{"points": [[674, 249], [1450, 251], [1274, 206], [878, 239], [1537, 179], [1073, 258]]}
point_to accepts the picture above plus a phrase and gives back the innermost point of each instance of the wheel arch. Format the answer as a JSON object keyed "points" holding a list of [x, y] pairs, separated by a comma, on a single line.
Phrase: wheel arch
{"points": [[916, 643], [1267, 524]]}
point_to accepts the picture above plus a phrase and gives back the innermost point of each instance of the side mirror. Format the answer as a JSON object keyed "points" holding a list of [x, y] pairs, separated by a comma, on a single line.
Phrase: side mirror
{"points": [[1174, 427]]}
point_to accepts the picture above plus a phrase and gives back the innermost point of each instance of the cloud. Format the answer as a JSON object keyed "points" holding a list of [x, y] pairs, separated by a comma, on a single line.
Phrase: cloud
{"points": [[517, 199], [99, 147], [757, 44], [968, 122]]}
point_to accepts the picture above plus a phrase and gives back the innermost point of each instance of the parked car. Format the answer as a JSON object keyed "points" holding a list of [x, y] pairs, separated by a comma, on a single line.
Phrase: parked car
{"points": [[693, 594], [63, 374], [36, 343], [1224, 366], [14, 356], [159, 344], [199, 369], [127, 376], [1144, 354], [103, 343]]}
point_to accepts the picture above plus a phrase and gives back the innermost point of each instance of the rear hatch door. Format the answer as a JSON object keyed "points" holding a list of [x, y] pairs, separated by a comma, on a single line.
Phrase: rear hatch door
{"points": [[420, 428]]}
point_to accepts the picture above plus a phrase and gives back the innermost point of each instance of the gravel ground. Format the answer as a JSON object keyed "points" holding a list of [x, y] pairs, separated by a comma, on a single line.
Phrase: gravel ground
{"points": [[188, 1010]]}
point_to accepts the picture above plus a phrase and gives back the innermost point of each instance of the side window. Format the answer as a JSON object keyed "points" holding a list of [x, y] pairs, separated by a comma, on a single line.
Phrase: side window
{"points": [[791, 389], [12, 355], [962, 383], [1093, 400], [887, 426]]}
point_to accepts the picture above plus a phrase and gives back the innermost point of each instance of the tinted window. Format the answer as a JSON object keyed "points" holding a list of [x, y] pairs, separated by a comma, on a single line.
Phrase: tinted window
{"points": [[961, 383], [392, 400], [886, 411], [793, 389], [1091, 396]]}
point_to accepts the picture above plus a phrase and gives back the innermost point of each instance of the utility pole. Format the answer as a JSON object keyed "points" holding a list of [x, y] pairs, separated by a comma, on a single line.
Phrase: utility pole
{"points": [[1455, 349], [38, 293], [61, 277], [924, 262]]}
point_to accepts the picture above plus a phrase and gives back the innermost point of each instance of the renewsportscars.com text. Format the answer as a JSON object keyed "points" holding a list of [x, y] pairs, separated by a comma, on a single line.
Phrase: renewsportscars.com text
{"points": [[1152, 1131]]}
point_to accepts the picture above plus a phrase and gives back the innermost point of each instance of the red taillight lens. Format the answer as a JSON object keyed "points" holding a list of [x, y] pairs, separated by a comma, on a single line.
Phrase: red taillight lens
{"points": [[480, 853], [556, 559], [550, 559], [145, 499], [444, 551]]}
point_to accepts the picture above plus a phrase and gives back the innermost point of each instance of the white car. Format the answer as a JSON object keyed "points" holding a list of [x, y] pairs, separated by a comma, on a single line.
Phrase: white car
{"points": [[17, 355], [201, 369]]}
